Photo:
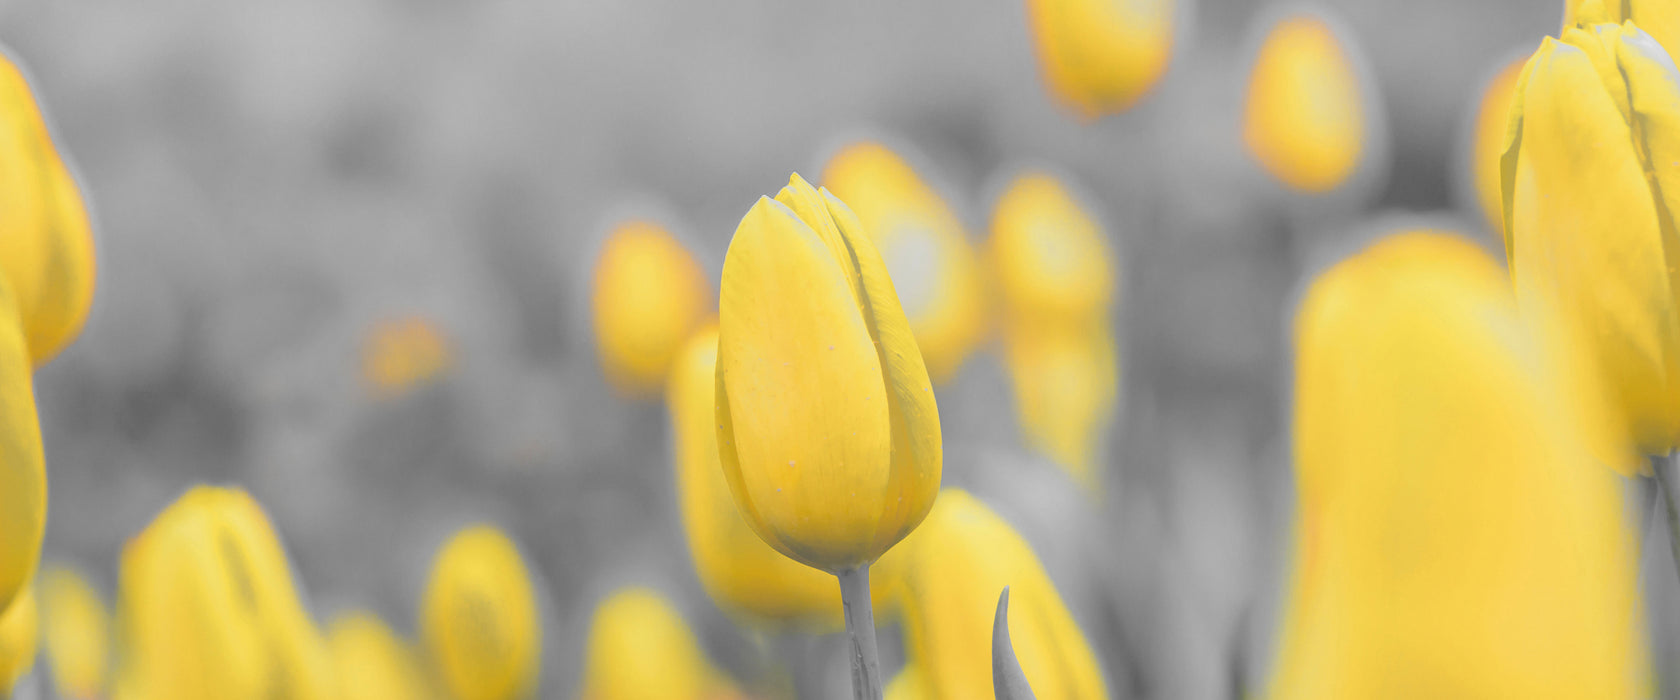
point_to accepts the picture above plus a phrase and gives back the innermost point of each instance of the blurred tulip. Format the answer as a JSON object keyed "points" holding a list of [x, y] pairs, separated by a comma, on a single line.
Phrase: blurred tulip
{"points": [[949, 573], [373, 663], [1098, 56], [1589, 196], [827, 426], [46, 241], [924, 246], [19, 632], [479, 618], [907, 685], [402, 354], [1056, 284], [1487, 141], [641, 649], [23, 476], [1304, 116], [648, 296], [77, 633], [208, 608], [738, 570], [1449, 541], [1659, 17]]}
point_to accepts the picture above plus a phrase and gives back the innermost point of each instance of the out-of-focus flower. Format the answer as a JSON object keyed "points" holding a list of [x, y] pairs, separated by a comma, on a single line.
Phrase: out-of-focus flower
{"points": [[924, 246], [46, 241], [827, 426], [479, 618], [19, 632], [907, 685], [77, 633], [403, 354], [1056, 282], [1099, 56], [208, 608], [948, 576], [649, 294], [1304, 116], [23, 476], [1450, 541], [373, 663], [738, 570], [1590, 194], [1487, 141], [641, 649], [1659, 17]]}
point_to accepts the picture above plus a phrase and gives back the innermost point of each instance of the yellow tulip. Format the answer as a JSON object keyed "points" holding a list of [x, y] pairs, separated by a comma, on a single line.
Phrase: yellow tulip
{"points": [[46, 241], [1304, 116], [1449, 542], [738, 570], [828, 431], [641, 649], [23, 476], [19, 630], [1659, 17], [924, 246], [78, 636], [1098, 56], [1056, 283], [1487, 141], [479, 618], [1589, 196], [949, 573], [907, 685], [373, 663], [649, 295], [209, 610], [403, 354]]}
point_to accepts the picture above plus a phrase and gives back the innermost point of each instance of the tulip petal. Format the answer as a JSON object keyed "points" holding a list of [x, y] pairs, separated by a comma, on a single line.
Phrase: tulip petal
{"points": [[1659, 17], [1513, 144], [23, 478]]}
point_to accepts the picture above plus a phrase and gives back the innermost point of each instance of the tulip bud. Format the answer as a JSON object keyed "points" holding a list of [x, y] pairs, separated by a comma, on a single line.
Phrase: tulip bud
{"points": [[78, 637], [23, 476], [19, 630], [479, 618], [403, 354], [641, 649], [1304, 116], [1487, 141], [46, 242], [924, 246], [649, 294], [949, 575], [209, 610], [1056, 283], [1589, 196], [1099, 57], [827, 427], [1659, 17], [373, 663], [738, 570], [1449, 540]]}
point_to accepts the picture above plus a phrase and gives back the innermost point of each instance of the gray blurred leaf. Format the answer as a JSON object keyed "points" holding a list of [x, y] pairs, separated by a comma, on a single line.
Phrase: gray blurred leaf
{"points": [[1008, 682]]}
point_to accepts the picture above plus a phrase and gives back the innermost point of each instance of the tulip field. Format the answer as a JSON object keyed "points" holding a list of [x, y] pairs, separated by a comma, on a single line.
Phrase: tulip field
{"points": [[658, 350]]}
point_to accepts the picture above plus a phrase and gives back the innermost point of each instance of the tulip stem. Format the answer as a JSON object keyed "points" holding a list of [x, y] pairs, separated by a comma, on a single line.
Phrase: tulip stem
{"points": [[1667, 470], [860, 630]]}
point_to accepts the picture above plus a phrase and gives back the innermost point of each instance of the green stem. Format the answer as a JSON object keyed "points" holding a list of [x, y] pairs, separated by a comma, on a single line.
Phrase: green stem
{"points": [[1667, 470], [860, 631]]}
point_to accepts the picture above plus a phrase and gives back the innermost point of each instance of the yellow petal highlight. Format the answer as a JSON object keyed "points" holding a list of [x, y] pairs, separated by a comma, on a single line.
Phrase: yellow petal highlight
{"points": [[1450, 539], [934, 268], [1488, 141], [77, 633], [648, 295], [951, 571], [23, 477], [402, 354], [828, 430], [479, 618], [373, 663], [1304, 116], [641, 649], [1099, 57]]}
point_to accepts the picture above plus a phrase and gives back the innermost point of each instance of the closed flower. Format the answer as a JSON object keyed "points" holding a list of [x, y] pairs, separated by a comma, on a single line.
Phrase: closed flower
{"points": [[1304, 116], [640, 648], [373, 663], [77, 633], [479, 618], [1099, 56], [648, 296]]}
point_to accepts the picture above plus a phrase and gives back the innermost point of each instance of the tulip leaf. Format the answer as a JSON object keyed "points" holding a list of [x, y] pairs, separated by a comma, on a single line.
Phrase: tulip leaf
{"points": [[1008, 682]]}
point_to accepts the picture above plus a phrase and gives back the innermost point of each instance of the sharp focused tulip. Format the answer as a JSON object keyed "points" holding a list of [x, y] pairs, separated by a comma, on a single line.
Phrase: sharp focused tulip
{"points": [[828, 431], [1589, 199], [738, 570], [950, 572], [209, 610], [924, 246], [23, 476], [1304, 117], [373, 663], [1056, 283], [77, 633], [402, 354], [649, 294], [1659, 17], [1450, 542], [479, 618], [1487, 141], [46, 242], [641, 649], [19, 630], [1097, 56]]}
